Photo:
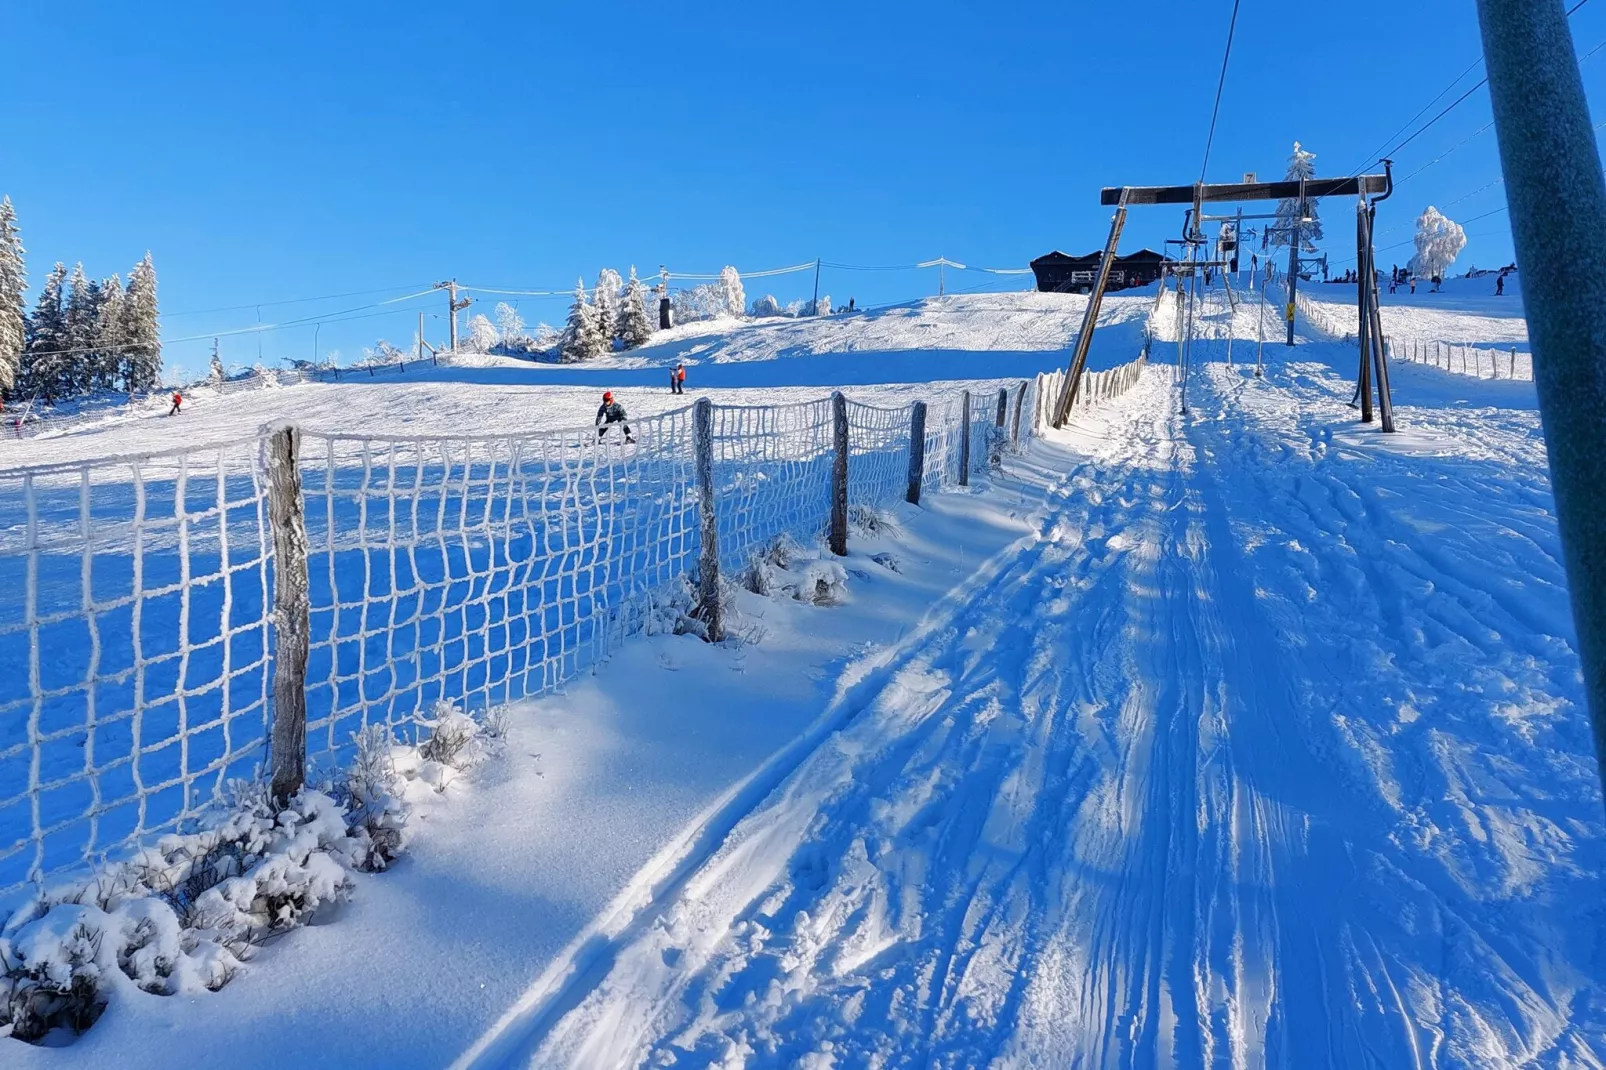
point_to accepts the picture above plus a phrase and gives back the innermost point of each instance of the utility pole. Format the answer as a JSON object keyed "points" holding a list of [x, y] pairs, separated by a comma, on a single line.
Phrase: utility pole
{"points": [[454, 306], [941, 263], [419, 354], [1557, 195], [816, 305]]}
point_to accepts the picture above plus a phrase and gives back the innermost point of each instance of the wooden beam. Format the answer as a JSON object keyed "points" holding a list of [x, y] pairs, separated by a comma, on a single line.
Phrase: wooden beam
{"points": [[1242, 191]]}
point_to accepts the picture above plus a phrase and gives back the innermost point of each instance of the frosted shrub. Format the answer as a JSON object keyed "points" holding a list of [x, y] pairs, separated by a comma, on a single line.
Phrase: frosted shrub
{"points": [[766, 306], [868, 521], [823, 583]]}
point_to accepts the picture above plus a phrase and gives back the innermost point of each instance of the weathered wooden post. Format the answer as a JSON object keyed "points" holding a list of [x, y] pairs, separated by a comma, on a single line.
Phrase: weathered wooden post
{"points": [[1513, 362], [839, 474], [287, 745], [1020, 403], [917, 452], [964, 439], [702, 436], [995, 455]]}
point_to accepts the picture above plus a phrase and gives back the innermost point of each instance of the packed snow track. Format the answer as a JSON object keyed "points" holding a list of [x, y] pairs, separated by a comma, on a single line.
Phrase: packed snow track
{"points": [[1267, 750]]}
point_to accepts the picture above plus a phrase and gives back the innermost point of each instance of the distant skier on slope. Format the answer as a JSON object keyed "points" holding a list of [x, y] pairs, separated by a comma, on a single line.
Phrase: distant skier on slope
{"points": [[178, 401], [1500, 285], [611, 412], [677, 379]]}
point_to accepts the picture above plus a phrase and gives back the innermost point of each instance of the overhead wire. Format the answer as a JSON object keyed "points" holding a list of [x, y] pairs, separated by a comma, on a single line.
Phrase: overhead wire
{"points": [[1215, 111]]}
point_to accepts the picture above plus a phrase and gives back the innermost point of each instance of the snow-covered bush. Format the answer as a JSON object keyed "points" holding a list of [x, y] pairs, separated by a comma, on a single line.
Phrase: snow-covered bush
{"points": [[766, 306], [482, 334], [182, 916], [1439, 241], [380, 354], [822, 307], [870, 521], [703, 302], [786, 569], [821, 583]]}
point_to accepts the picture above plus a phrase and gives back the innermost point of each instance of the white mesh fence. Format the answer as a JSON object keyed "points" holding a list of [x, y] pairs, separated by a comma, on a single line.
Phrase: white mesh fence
{"points": [[135, 644], [136, 594]]}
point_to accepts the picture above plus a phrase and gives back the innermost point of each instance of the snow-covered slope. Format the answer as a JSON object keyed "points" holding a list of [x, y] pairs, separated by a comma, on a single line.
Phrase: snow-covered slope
{"points": [[1465, 312], [1247, 737], [887, 356]]}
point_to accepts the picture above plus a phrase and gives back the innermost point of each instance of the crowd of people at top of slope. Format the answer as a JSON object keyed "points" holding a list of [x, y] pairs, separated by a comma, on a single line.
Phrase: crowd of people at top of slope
{"points": [[1405, 277]]}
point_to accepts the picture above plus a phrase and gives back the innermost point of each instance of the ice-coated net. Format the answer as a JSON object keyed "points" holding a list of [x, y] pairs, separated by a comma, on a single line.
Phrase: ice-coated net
{"points": [[134, 639], [772, 476], [481, 570]]}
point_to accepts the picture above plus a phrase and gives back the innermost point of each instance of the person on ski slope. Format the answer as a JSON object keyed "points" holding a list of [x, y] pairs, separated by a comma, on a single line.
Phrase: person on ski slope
{"points": [[178, 400], [611, 412], [677, 379]]}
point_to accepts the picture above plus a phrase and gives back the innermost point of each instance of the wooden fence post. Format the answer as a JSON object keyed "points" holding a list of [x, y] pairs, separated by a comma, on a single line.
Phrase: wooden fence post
{"points": [[917, 452], [839, 474], [1513, 362], [1020, 402], [287, 745], [995, 456], [964, 439], [708, 607]]}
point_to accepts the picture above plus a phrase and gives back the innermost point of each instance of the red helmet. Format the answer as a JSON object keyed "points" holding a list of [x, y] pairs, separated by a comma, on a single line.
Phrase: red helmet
{"points": [[607, 395]]}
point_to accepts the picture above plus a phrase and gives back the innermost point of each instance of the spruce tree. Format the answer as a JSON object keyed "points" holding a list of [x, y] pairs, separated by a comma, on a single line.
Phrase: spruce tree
{"points": [[44, 356], [81, 361], [13, 313], [1295, 214], [216, 375], [109, 322], [581, 339], [142, 342], [607, 305], [730, 285], [635, 326]]}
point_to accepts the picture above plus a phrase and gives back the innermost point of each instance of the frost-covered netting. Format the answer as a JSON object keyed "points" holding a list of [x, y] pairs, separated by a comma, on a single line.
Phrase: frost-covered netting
{"points": [[481, 570], [772, 475], [878, 453], [1479, 361], [134, 640], [136, 593], [1094, 388]]}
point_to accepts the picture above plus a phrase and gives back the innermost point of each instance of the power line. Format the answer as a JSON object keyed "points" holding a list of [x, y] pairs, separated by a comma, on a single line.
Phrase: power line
{"points": [[291, 301], [1232, 25]]}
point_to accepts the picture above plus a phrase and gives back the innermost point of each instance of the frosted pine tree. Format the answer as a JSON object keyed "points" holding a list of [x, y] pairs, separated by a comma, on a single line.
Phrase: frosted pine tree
{"points": [[13, 282], [730, 285], [109, 322], [82, 357], [581, 339], [44, 349], [635, 326], [1439, 241], [142, 341], [1294, 213], [606, 300]]}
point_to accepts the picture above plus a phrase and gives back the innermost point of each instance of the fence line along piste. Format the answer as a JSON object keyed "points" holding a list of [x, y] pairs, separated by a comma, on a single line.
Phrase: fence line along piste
{"points": [[161, 613]]}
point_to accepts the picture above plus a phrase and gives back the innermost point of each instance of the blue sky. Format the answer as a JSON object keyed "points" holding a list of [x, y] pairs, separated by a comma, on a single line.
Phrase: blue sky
{"points": [[273, 152]]}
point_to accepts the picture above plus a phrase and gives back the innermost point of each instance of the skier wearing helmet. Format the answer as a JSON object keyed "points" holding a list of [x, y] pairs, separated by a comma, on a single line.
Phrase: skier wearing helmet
{"points": [[611, 412]]}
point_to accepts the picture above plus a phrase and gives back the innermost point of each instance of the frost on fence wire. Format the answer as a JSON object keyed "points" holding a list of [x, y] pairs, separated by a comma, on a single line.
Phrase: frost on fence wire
{"points": [[134, 641], [481, 570], [878, 454], [772, 476]]}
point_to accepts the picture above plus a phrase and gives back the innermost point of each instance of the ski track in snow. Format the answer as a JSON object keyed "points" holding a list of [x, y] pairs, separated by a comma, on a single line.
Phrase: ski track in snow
{"points": [[1269, 751]]}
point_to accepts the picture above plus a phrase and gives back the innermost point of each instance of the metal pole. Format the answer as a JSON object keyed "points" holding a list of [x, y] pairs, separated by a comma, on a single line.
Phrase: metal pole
{"points": [[420, 346], [816, 305], [1558, 216], [1293, 261], [1363, 319]]}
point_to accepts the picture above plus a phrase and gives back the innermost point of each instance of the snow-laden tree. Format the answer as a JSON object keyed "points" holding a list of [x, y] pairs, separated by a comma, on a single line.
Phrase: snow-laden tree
{"points": [[822, 307], [704, 302], [766, 306], [582, 340], [635, 326], [44, 358], [110, 320], [1294, 213], [482, 336], [1439, 241], [80, 306], [13, 283], [142, 341], [545, 338], [730, 283], [510, 328], [606, 300], [382, 353], [216, 374]]}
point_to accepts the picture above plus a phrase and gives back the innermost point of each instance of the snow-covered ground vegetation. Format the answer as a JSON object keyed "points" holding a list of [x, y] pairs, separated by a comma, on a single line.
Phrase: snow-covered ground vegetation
{"points": [[183, 916]]}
